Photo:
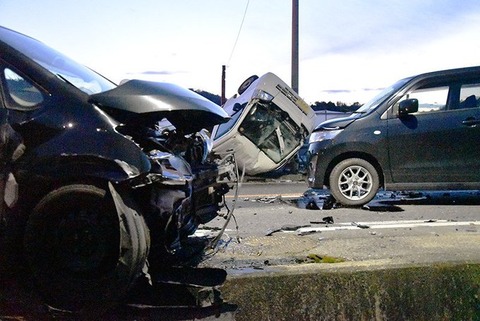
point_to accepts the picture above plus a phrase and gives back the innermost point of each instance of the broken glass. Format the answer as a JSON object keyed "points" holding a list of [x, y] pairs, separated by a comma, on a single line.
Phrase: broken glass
{"points": [[271, 129]]}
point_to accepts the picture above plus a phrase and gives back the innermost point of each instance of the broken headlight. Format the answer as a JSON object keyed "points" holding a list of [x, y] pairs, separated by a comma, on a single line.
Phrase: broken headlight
{"points": [[262, 95], [207, 142]]}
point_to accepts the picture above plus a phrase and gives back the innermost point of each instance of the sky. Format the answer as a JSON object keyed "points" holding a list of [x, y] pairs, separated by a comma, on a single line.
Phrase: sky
{"points": [[348, 50]]}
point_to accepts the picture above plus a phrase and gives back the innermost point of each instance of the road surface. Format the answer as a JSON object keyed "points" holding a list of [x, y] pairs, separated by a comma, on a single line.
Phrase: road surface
{"points": [[272, 226]]}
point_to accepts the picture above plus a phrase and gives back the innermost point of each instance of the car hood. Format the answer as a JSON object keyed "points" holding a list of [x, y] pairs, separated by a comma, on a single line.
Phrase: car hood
{"points": [[337, 123], [146, 101]]}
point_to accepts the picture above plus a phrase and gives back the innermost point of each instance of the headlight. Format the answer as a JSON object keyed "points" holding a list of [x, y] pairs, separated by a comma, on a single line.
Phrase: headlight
{"points": [[323, 135], [207, 141], [262, 95]]}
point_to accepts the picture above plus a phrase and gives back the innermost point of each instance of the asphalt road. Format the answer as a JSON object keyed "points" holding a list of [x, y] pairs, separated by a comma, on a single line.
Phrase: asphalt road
{"points": [[273, 226]]}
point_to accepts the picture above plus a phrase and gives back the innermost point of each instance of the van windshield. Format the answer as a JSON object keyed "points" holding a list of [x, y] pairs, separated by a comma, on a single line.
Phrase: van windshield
{"points": [[272, 130], [381, 97]]}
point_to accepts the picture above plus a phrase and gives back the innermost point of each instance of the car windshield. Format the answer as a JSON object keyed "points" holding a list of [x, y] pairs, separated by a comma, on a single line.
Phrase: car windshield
{"points": [[381, 97], [63, 67]]}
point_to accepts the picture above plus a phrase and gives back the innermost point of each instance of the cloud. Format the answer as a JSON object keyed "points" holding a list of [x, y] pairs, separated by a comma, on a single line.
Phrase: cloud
{"points": [[340, 91], [353, 27], [152, 73]]}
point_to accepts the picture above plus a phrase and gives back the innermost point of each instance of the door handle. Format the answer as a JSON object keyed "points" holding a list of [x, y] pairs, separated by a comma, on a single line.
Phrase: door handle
{"points": [[471, 121]]}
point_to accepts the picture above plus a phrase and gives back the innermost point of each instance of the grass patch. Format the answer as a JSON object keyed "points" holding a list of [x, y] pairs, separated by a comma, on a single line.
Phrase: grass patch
{"points": [[315, 258]]}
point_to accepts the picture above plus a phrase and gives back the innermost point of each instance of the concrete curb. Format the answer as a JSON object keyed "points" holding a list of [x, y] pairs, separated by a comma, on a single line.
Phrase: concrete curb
{"points": [[367, 291]]}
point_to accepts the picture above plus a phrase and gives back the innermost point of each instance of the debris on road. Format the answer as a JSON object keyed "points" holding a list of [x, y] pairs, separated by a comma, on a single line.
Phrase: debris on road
{"points": [[325, 220], [301, 232], [267, 199], [316, 200], [360, 225], [284, 228]]}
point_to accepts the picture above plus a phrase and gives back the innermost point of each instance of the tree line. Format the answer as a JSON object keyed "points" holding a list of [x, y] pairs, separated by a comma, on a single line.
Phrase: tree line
{"points": [[317, 106]]}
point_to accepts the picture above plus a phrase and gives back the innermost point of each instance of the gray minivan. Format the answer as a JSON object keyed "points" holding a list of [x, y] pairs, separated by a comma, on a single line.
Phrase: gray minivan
{"points": [[420, 133]]}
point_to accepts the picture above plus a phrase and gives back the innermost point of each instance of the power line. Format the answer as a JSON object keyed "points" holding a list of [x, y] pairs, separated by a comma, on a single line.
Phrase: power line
{"points": [[239, 31]]}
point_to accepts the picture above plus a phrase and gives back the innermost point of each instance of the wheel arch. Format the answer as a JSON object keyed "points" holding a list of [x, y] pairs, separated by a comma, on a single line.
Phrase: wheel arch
{"points": [[354, 154], [52, 173]]}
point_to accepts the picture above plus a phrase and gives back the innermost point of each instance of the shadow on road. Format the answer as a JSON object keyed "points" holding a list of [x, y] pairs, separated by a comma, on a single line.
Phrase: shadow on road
{"points": [[20, 301], [391, 201]]}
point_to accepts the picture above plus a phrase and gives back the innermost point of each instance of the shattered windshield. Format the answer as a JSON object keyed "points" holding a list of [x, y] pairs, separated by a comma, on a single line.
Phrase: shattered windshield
{"points": [[63, 67], [271, 130]]}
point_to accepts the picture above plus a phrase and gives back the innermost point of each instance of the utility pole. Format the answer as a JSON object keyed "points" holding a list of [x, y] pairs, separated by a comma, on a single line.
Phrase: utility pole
{"points": [[295, 45], [222, 98]]}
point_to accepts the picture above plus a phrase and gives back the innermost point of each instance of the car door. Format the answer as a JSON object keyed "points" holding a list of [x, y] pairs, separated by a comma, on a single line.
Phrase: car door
{"points": [[437, 146]]}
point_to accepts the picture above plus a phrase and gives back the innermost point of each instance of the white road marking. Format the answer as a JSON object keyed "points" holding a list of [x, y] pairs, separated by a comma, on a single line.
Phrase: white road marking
{"points": [[363, 225], [383, 225]]}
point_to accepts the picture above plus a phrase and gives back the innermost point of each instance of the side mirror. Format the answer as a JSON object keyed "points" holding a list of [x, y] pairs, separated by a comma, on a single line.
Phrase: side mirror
{"points": [[408, 106]]}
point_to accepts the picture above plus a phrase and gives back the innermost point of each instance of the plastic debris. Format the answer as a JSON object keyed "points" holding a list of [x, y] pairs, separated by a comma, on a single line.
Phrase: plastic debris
{"points": [[288, 228], [363, 226]]}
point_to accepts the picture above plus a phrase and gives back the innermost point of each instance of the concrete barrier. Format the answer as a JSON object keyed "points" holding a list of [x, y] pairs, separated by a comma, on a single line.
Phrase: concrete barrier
{"points": [[448, 291]]}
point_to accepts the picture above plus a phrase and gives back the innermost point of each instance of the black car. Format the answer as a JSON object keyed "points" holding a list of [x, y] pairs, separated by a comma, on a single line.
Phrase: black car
{"points": [[105, 178], [420, 133]]}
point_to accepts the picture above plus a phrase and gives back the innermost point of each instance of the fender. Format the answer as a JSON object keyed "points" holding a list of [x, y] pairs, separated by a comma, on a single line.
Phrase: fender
{"points": [[51, 172], [66, 167]]}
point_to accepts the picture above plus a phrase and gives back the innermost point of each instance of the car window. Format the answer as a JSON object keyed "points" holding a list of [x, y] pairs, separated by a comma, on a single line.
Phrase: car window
{"points": [[225, 127], [469, 96], [430, 99], [19, 92]]}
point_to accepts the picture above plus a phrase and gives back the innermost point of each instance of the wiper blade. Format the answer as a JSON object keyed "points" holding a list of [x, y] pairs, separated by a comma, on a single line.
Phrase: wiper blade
{"points": [[65, 80]]}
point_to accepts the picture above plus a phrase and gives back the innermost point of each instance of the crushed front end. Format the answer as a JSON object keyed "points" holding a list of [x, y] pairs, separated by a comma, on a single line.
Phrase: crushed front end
{"points": [[184, 189], [186, 183]]}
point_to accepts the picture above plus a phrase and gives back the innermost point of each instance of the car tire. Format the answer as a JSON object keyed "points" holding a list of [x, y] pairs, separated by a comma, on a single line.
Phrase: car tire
{"points": [[247, 82], [354, 182], [80, 251]]}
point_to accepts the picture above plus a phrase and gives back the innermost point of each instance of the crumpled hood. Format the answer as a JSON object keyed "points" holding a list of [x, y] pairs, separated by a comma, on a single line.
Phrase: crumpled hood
{"points": [[146, 101]]}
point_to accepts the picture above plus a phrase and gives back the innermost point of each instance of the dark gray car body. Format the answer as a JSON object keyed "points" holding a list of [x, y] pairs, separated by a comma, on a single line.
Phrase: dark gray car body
{"points": [[435, 147]]}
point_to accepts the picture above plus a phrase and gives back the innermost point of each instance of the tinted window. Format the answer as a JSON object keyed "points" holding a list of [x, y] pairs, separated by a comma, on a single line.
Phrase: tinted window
{"points": [[469, 96], [431, 99], [447, 96]]}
